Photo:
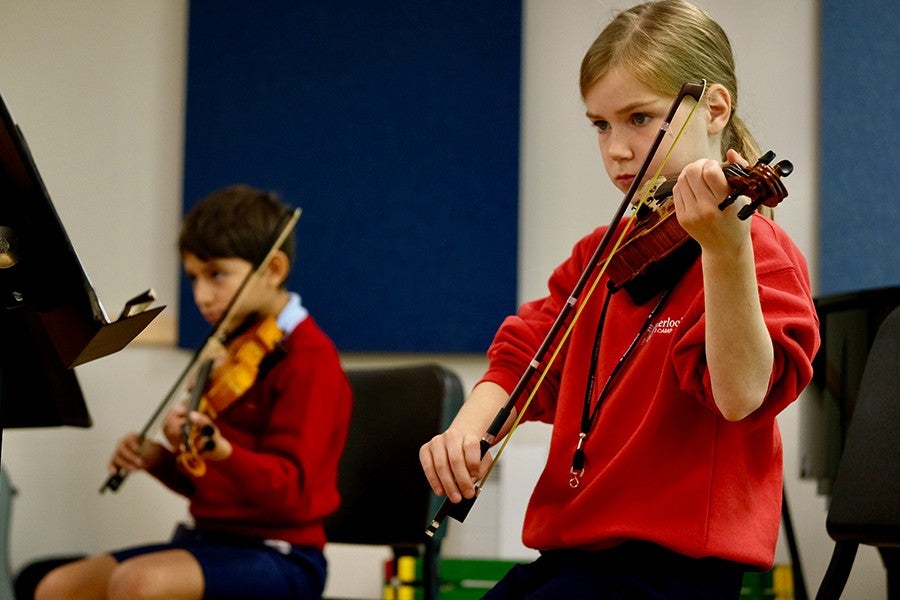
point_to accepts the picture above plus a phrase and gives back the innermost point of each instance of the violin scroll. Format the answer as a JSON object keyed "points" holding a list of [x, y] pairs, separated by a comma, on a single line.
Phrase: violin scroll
{"points": [[761, 183]]}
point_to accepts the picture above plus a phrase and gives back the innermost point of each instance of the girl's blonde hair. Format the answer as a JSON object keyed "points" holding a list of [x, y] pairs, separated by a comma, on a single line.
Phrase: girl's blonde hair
{"points": [[665, 44]]}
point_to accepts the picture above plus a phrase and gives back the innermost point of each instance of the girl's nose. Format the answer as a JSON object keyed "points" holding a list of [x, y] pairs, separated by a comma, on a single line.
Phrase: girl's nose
{"points": [[618, 147]]}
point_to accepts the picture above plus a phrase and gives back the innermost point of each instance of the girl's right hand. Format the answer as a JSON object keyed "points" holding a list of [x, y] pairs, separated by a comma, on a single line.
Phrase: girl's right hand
{"points": [[452, 463], [452, 460]]}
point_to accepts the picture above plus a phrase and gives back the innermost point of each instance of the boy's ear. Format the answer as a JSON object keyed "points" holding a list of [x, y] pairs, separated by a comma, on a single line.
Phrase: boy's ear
{"points": [[718, 102], [279, 268]]}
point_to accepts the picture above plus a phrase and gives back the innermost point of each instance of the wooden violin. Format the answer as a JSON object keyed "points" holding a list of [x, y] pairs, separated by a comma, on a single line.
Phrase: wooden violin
{"points": [[659, 250], [213, 394]]}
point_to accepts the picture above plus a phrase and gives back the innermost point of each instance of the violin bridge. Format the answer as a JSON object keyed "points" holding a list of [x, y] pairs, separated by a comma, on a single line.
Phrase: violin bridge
{"points": [[651, 189]]}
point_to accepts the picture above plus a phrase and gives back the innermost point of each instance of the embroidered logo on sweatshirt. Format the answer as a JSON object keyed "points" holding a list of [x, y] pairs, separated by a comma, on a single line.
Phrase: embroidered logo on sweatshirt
{"points": [[667, 325]]}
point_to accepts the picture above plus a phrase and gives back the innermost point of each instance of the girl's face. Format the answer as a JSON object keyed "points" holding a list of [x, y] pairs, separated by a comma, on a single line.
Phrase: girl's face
{"points": [[628, 116]]}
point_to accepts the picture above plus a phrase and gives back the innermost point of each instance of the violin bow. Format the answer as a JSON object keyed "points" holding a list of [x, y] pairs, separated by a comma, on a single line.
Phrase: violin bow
{"points": [[458, 511], [216, 336]]}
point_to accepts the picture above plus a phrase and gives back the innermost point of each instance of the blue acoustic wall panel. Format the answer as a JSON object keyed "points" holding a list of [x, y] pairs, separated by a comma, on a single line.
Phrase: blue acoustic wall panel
{"points": [[859, 128], [395, 126]]}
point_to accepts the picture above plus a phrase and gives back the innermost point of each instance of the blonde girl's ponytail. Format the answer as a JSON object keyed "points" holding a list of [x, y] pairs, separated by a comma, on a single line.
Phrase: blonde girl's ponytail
{"points": [[737, 135]]}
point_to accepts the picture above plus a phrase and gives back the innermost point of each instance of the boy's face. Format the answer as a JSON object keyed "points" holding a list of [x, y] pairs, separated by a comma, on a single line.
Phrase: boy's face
{"points": [[215, 282]]}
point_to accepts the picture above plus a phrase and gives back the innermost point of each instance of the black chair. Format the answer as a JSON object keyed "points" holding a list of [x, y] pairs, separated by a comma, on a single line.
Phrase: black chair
{"points": [[386, 500], [865, 502]]}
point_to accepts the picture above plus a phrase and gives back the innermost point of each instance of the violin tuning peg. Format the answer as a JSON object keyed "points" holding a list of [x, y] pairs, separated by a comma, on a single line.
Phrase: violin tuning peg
{"points": [[747, 210], [784, 168], [729, 200], [765, 158]]}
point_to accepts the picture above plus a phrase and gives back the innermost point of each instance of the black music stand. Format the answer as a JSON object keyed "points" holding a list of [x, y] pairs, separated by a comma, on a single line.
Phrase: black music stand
{"points": [[50, 317]]}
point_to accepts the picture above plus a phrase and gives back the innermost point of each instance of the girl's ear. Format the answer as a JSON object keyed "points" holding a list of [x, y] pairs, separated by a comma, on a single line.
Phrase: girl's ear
{"points": [[278, 269], [718, 102]]}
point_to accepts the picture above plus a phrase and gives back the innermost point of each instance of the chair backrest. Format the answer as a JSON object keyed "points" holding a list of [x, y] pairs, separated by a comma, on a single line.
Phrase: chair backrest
{"points": [[865, 502], [385, 499]]}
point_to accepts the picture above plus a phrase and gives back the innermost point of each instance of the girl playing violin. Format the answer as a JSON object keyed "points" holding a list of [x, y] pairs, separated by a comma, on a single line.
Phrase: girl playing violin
{"points": [[271, 455], [664, 473]]}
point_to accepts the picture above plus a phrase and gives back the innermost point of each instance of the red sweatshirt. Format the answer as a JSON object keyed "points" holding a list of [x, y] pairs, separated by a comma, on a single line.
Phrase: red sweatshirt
{"points": [[662, 464], [288, 431]]}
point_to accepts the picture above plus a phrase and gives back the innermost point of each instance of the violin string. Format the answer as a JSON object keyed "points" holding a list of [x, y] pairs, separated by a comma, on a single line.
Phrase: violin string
{"points": [[587, 295]]}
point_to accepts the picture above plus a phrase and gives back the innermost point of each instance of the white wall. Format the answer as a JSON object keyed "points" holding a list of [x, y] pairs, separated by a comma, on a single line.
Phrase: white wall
{"points": [[98, 88]]}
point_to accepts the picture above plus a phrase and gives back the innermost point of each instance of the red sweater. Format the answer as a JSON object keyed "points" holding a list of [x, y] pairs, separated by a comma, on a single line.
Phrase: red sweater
{"points": [[288, 431], [662, 464]]}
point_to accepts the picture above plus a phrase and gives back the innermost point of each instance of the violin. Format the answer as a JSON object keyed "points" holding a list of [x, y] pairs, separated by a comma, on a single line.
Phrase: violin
{"points": [[659, 250], [212, 395]]}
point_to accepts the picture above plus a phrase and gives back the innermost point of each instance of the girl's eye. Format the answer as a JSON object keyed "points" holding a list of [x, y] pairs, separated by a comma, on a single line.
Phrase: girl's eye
{"points": [[640, 118], [601, 125]]}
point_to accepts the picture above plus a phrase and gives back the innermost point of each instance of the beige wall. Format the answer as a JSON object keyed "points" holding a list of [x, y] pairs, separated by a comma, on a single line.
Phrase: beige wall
{"points": [[98, 88]]}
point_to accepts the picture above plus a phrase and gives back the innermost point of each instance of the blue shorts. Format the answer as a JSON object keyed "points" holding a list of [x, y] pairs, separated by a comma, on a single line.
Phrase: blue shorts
{"points": [[240, 568], [632, 571]]}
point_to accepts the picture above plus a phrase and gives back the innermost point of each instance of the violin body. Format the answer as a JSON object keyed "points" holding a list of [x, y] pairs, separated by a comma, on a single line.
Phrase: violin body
{"points": [[658, 250], [228, 382], [241, 365]]}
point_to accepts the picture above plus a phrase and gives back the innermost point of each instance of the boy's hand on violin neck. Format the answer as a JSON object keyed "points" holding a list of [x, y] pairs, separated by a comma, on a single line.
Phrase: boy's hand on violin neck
{"points": [[173, 425], [213, 445]]}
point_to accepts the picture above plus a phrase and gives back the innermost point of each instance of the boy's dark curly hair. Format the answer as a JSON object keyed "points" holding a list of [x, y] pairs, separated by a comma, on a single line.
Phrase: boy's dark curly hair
{"points": [[238, 221]]}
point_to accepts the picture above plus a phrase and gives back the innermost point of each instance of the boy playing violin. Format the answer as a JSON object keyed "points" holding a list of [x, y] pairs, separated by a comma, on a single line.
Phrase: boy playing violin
{"points": [[664, 473], [271, 455]]}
